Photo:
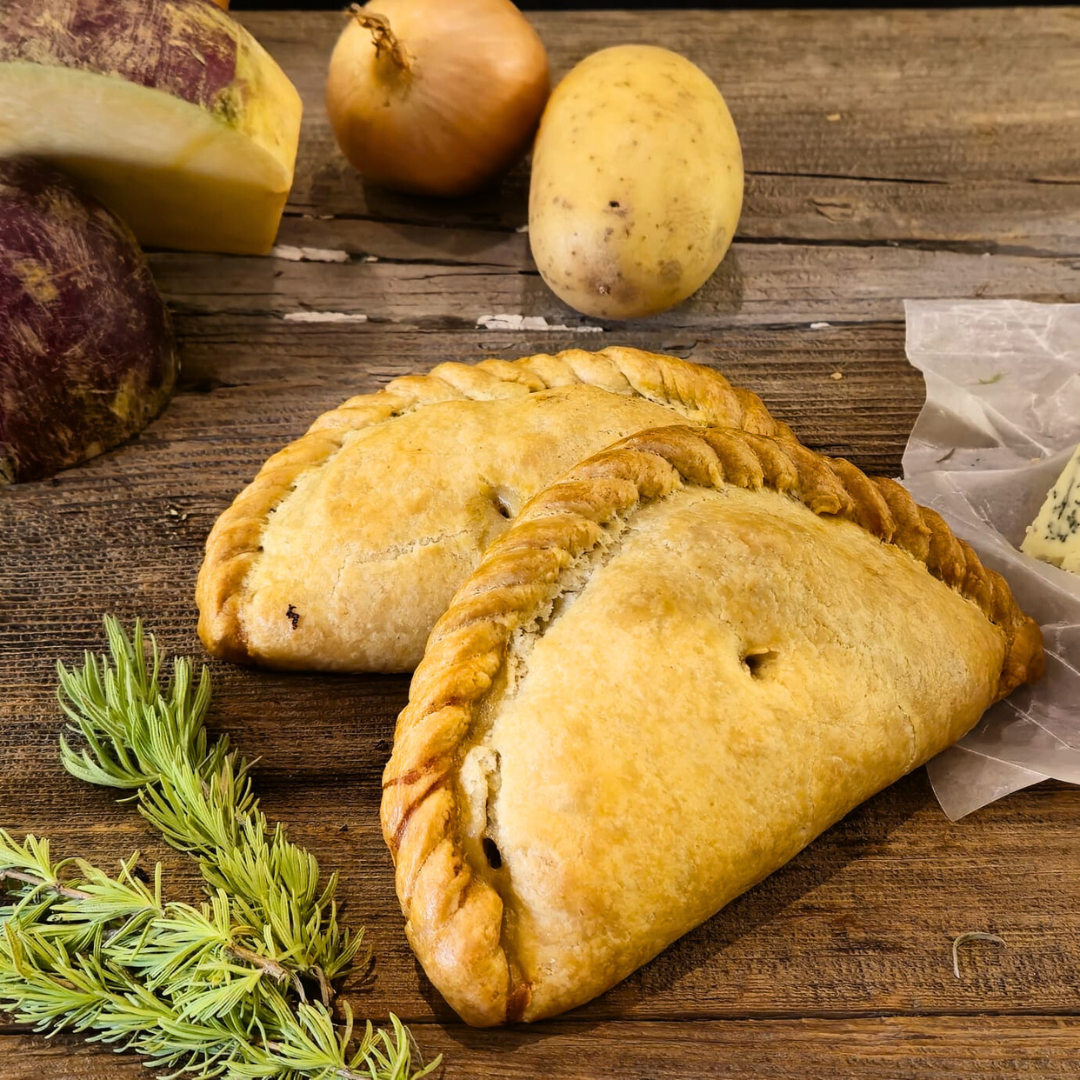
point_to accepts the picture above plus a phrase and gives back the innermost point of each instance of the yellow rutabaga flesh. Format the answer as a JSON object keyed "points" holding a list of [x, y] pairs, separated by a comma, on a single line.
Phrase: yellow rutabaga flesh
{"points": [[168, 111]]}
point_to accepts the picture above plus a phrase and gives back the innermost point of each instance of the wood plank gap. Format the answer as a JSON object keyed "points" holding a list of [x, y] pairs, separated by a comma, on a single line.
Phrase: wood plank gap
{"points": [[565, 1023], [293, 211], [957, 247], [848, 176], [700, 1016]]}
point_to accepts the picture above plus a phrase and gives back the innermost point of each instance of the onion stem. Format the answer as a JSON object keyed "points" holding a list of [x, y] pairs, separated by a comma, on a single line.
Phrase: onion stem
{"points": [[381, 34]]}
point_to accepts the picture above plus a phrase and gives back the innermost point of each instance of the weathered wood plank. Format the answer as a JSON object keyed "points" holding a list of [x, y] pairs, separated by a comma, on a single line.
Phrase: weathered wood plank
{"points": [[862, 921], [975, 96], [866, 415], [977, 1048], [1008, 216], [886, 153], [1012, 217], [250, 384], [757, 284]]}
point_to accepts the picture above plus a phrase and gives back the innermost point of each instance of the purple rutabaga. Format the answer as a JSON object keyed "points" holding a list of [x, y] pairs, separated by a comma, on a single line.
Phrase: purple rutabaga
{"points": [[159, 45], [168, 111], [86, 353]]}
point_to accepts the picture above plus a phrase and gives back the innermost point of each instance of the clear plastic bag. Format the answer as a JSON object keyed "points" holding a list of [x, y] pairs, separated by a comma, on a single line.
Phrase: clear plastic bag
{"points": [[1002, 417]]}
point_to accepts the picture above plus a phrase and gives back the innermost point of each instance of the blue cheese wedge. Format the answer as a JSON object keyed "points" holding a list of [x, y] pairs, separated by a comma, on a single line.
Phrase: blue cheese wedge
{"points": [[1054, 536]]}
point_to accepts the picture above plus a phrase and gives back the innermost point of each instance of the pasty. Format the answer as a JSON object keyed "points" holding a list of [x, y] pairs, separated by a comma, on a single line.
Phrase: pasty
{"points": [[684, 660], [351, 541]]}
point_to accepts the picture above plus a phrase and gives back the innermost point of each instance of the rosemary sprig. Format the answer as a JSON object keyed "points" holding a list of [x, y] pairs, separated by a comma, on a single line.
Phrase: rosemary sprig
{"points": [[240, 986], [201, 800]]}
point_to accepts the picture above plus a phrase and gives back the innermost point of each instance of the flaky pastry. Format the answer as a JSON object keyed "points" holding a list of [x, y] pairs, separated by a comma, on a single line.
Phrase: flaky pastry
{"points": [[350, 542], [685, 660]]}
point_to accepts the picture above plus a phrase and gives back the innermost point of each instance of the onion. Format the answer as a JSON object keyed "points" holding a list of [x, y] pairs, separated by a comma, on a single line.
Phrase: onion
{"points": [[436, 97]]}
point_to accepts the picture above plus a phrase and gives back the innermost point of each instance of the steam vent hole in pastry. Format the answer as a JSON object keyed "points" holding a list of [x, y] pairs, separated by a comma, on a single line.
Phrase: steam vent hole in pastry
{"points": [[491, 850], [370, 522], [758, 662], [710, 668]]}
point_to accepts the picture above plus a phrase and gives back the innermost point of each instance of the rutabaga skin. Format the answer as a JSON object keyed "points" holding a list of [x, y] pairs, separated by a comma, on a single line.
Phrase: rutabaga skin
{"points": [[168, 111], [177, 47], [86, 353]]}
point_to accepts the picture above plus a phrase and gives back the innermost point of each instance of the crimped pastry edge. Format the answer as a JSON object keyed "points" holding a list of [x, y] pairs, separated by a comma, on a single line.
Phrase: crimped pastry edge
{"points": [[453, 916], [233, 545]]}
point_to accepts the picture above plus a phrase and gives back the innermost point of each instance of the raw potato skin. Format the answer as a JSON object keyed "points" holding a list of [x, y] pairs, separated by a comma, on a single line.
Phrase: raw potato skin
{"points": [[637, 183], [86, 353], [167, 111]]}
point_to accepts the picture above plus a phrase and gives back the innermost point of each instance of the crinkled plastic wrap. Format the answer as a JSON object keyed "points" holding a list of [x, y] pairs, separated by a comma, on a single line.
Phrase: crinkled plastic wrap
{"points": [[1001, 419]]}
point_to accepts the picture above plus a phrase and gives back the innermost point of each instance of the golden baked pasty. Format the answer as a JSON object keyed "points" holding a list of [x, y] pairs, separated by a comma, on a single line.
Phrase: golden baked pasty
{"points": [[684, 660], [351, 541]]}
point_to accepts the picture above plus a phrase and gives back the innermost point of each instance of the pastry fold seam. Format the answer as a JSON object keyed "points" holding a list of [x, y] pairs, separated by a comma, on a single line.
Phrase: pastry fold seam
{"points": [[522, 574], [234, 545]]}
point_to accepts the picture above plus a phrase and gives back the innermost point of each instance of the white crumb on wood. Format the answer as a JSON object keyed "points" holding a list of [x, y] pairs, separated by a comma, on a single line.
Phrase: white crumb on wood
{"points": [[837, 375], [819, 326], [309, 254], [371, 258], [530, 322], [971, 935], [324, 317]]}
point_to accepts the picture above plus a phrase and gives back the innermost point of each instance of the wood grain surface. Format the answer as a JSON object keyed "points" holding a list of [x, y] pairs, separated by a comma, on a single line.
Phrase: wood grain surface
{"points": [[890, 155]]}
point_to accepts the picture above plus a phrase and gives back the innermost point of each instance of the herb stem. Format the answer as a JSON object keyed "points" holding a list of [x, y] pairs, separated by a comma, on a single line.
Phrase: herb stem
{"points": [[326, 991], [240, 985], [32, 879], [970, 935], [268, 966]]}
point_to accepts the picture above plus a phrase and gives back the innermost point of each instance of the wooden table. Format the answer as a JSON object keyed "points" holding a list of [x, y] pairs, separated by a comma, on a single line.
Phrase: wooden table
{"points": [[888, 155]]}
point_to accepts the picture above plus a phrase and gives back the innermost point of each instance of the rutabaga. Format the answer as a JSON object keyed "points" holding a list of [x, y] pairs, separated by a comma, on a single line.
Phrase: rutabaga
{"points": [[168, 111], [86, 354]]}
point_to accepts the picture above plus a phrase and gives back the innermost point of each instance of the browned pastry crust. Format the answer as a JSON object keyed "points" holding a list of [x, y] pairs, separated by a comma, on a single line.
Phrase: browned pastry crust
{"points": [[699, 394], [454, 915]]}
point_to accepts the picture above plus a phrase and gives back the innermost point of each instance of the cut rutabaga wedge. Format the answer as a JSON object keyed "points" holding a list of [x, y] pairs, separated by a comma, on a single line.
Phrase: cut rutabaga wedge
{"points": [[681, 663], [350, 542], [168, 111]]}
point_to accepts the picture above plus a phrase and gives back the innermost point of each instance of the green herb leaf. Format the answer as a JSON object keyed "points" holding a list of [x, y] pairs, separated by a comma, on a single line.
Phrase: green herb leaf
{"points": [[240, 986]]}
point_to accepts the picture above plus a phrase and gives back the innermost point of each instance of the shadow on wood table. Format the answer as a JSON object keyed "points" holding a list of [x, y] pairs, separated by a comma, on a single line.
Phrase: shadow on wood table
{"points": [[889, 154]]}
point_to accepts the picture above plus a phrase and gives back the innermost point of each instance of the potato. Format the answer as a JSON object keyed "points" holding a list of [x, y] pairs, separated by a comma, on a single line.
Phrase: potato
{"points": [[637, 183], [86, 353], [168, 111]]}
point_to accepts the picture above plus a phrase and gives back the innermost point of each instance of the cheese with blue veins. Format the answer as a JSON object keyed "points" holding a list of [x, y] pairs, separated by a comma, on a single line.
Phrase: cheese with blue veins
{"points": [[1054, 536]]}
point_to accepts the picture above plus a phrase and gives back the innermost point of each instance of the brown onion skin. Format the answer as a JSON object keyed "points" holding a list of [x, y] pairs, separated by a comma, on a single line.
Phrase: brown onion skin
{"points": [[461, 113]]}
